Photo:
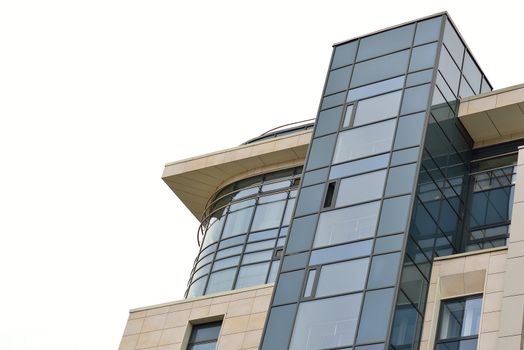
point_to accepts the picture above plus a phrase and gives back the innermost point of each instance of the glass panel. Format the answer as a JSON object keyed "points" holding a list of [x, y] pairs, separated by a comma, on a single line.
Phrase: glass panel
{"points": [[229, 262], [453, 43], [245, 193], [376, 88], [268, 215], [385, 42], [302, 233], [276, 186], [251, 247], [361, 188], [197, 288], [333, 100], [384, 269], [472, 72], [377, 108], [289, 287], [221, 281], [338, 80], [320, 152], [423, 57], [237, 222], [308, 291], [205, 332], [371, 347], [419, 77], [469, 344], [460, 317], [326, 323], [340, 252], [328, 121], [405, 156], [381, 68], [347, 116], [242, 204], [364, 141], [273, 271], [252, 275], [314, 177], [229, 251], [401, 179], [375, 315], [279, 327], [213, 231], [204, 346], [257, 236], [296, 261], [428, 30], [394, 215], [309, 199], [409, 132], [415, 99], [201, 272], [359, 166], [344, 54], [289, 210], [344, 277], [232, 241], [388, 244], [256, 257], [449, 70], [348, 224]]}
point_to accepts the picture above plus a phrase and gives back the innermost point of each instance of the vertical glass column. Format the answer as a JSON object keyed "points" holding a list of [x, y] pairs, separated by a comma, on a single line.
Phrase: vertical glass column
{"points": [[339, 279]]}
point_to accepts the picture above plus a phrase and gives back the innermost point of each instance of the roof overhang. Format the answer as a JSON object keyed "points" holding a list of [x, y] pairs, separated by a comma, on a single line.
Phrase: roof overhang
{"points": [[196, 179], [494, 117]]}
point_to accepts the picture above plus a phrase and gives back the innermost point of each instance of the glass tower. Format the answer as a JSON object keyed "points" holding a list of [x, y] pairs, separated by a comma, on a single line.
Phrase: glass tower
{"points": [[384, 191]]}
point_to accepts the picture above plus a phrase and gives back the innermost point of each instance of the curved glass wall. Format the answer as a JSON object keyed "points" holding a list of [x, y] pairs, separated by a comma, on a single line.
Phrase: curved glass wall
{"points": [[244, 233]]}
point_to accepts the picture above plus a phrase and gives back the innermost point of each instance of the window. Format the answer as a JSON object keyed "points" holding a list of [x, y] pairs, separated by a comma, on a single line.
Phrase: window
{"points": [[459, 323], [204, 336]]}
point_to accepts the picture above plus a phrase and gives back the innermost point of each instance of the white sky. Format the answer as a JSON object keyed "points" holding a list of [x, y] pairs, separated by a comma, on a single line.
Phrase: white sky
{"points": [[95, 96]]}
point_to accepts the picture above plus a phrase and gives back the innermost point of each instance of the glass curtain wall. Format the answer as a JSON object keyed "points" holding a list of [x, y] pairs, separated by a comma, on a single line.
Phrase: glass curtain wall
{"points": [[244, 233]]}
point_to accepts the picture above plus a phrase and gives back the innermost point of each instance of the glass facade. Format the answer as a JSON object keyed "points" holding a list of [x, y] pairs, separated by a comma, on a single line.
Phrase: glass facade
{"points": [[244, 233], [389, 165]]}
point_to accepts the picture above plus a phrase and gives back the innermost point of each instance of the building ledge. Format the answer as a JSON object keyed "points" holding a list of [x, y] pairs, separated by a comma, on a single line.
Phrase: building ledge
{"points": [[494, 117], [195, 180]]}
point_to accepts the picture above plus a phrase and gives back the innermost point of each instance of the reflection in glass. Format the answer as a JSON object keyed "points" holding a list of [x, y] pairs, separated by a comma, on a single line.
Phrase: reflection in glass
{"points": [[252, 275], [377, 108], [344, 277], [361, 188], [268, 215], [375, 89]]}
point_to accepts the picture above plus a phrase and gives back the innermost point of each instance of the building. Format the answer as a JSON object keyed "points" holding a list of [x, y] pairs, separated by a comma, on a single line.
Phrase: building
{"points": [[385, 224]]}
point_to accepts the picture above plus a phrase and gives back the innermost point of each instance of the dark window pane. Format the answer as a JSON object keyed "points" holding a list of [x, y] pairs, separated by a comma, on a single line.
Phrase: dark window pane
{"points": [[302, 233], [309, 199], [344, 277], [388, 244], [415, 99], [328, 121], [326, 323], [344, 54], [380, 68], [428, 30], [359, 166], [205, 332], [204, 346], [377, 108], [409, 131], [333, 100], [405, 156], [423, 57], [296, 261], [338, 80], [384, 269], [401, 179], [279, 327], [221, 281], [385, 42], [361, 188], [375, 315], [347, 224], [460, 317], [321, 151], [364, 141], [340, 252], [268, 215], [469, 344], [288, 287], [252, 275], [371, 347], [394, 215], [314, 177], [417, 78], [376, 88]]}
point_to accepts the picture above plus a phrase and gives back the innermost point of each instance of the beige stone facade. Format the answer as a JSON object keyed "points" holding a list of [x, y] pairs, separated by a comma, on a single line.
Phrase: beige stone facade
{"points": [[168, 326]]}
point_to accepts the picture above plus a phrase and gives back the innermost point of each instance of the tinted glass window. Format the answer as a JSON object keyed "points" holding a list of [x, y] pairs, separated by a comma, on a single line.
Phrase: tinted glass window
{"points": [[423, 57], [237, 222], [333, 100], [361, 188], [460, 317], [376, 88], [472, 73], [321, 151], [453, 43], [364, 141], [419, 77], [375, 315], [309, 199], [344, 277], [344, 55], [340, 252], [347, 224], [401, 180], [381, 68], [279, 327], [385, 42], [326, 323], [228, 262], [359, 166], [409, 131], [252, 275], [258, 256], [314, 177], [394, 215], [384, 270], [289, 287], [405, 156], [221, 281], [377, 108], [449, 71], [415, 99], [302, 232], [204, 336], [328, 121], [338, 80], [428, 30], [296, 261], [268, 215], [388, 244]]}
